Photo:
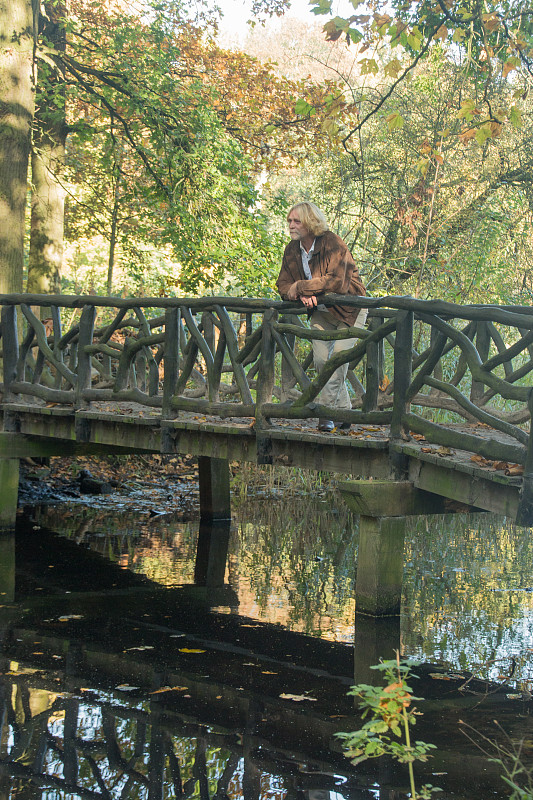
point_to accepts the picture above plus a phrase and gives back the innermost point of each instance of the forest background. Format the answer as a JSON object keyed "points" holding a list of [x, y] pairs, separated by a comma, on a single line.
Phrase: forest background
{"points": [[141, 153]]}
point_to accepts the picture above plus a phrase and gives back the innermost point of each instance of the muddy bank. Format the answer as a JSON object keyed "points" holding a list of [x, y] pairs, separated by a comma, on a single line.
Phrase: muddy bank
{"points": [[151, 482]]}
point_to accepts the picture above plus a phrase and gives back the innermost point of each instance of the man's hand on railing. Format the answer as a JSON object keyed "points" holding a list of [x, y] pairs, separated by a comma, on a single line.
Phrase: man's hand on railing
{"points": [[309, 302]]}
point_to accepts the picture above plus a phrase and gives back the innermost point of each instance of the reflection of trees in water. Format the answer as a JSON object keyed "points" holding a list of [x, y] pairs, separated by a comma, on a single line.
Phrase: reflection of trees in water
{"points": [[293, 562], [162, 550], [463, 590]]}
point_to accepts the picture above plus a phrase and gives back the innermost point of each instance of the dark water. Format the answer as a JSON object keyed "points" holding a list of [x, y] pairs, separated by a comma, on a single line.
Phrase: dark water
{"points": [[139, 662]]}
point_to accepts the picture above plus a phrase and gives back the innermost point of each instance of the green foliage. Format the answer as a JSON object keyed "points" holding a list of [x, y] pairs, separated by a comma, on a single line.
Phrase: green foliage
{"points": [[162, 192], [391, 714], [425, 214]]}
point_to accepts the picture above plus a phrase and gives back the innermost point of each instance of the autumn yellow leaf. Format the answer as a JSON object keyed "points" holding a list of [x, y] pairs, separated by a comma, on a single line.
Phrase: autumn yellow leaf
{"points": [[369, 66], [515, 469], [394, 121], [512, 63], [381, 21], [297, 698], [392, 68]]}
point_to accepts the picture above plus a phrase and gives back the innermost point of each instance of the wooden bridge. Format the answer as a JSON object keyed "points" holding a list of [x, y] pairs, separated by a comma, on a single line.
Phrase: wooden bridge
{"points": [[440, 411]]}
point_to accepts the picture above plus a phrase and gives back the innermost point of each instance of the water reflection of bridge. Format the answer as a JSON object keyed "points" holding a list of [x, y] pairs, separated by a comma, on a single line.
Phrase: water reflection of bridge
{"points": [[201, 376]]}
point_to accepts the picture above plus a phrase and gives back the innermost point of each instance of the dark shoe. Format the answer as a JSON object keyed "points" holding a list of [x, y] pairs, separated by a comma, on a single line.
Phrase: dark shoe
{"points": [[326, 425], [344, 426]]}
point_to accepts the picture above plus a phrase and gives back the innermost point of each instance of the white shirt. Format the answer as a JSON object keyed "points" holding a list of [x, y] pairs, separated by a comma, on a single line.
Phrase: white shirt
{"points": [[306, 258]]}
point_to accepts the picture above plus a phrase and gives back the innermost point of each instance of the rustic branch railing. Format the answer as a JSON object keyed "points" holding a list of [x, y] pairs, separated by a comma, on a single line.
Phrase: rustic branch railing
{"points": [[100, 750], [419, 366], [84, 745]]}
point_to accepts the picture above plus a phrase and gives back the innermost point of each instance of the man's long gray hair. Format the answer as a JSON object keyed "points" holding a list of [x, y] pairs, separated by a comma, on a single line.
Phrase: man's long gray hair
{"points": [[311, 217]]}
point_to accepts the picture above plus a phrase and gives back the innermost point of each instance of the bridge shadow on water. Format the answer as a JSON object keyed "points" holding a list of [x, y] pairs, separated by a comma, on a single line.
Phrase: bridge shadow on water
{"points": [[144, 657]]}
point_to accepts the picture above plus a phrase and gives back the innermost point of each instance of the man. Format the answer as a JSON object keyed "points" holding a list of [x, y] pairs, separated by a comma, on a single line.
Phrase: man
{"points": [[317, 262]]}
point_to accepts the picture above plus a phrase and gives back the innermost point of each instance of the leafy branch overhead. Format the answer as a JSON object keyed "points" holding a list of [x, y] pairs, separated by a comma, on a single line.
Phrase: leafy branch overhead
{"points": [[181, 127], [490, 42]]}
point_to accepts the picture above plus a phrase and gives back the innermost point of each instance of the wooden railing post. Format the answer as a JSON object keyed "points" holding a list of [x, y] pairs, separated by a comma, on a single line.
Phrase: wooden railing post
{"points": [[85, 339], [10, 348], [265, 387], [288, 381], [374, 368], [483, 347], [56, 322], [171, 360], [403, 369]]}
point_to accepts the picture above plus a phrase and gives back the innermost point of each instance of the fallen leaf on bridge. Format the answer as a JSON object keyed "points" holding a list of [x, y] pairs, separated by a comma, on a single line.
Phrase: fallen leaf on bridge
{"points": [[515, 469], [418, 436], [444, 451], [509, 469]]}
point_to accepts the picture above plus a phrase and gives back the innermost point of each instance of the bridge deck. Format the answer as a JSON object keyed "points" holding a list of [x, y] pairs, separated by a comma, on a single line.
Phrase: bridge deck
{"points": [[362, 452]]}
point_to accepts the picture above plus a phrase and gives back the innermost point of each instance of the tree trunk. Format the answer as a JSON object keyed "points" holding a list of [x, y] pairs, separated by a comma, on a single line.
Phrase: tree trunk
{"points": [[113, 236], [47, 210], [16, 117], [47, 163]]}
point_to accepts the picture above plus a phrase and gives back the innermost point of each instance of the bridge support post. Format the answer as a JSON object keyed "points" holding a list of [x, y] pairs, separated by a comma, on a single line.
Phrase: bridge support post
{"points": [[383, 507], [212, 554], [9, 486], [378, 583], [376, 639], [7, 569], [213, 476]]}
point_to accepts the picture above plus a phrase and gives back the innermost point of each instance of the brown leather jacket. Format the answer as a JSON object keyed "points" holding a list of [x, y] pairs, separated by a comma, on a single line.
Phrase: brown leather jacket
{"points": [[332, 268]]}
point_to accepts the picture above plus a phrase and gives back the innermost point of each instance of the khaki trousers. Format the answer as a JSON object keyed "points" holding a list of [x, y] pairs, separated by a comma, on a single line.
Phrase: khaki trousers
{"points": [[334, 392]]}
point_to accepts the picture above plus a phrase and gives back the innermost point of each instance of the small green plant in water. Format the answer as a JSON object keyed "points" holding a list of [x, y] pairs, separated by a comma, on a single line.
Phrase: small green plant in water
{"points": [[388, 730]]}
